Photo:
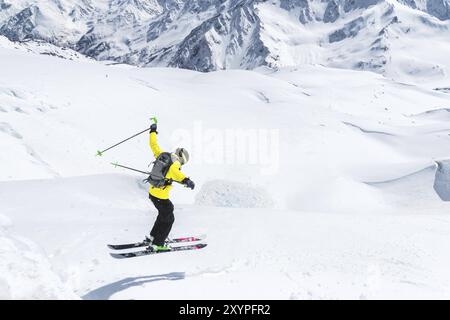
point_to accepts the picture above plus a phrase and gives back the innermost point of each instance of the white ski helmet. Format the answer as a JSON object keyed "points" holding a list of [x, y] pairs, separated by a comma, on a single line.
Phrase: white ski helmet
{"points": [[182, 155]]}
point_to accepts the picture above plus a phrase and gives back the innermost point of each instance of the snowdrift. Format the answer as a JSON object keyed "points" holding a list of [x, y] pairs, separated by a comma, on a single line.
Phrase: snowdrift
{"points": [[222, 193], [25, 270], [425, 190]]}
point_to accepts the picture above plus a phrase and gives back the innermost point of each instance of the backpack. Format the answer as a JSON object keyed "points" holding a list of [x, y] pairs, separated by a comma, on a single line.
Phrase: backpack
{"points": [[161, 165]]}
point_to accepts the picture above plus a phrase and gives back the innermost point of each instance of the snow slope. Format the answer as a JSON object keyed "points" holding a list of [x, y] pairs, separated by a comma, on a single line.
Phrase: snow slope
{"points": [[315, 255], [344, 201]]}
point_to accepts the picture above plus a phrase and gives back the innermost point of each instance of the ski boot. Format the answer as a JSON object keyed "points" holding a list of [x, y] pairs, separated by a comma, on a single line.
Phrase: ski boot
{"points": [[156, 248]]}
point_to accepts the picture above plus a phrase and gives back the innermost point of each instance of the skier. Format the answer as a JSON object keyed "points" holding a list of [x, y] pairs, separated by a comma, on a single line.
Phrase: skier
{"points": [[159, 195]]}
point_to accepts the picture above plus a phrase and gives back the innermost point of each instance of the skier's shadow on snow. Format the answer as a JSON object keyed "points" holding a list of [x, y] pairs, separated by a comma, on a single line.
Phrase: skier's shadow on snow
{"points": [[106, 291]]}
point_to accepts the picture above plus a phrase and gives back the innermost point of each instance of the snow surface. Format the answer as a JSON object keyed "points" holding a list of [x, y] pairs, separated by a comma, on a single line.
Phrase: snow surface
{"points": [[354, 208]]}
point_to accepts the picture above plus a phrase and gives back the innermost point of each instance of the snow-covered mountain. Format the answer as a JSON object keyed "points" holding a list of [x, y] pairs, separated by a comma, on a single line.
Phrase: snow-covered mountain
{"points": [[344, 194], [205, 35], [355, 207]]}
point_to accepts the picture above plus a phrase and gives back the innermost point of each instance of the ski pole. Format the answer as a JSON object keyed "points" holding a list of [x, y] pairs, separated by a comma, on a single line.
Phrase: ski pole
{"points": [[115, 164], [100, 153]]}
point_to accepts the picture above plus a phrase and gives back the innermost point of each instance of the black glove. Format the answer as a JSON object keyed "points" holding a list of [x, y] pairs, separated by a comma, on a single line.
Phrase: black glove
{"points": [[189, 183], [153, 128]]}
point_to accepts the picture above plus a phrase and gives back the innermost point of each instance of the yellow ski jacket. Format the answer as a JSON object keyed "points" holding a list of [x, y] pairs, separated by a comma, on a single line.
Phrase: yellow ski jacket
{"points": [[173, 173]]}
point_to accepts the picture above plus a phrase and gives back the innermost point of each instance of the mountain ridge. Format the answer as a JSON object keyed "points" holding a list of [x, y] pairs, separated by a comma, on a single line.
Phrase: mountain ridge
{"points": [[209, 35]]}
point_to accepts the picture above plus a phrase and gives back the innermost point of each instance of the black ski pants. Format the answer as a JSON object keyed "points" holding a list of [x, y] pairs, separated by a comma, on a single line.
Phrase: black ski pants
{"points": [[164, 221]]}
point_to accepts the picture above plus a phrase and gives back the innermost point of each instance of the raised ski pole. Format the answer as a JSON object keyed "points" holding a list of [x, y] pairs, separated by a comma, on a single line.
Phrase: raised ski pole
{"points": [[100, 153]]}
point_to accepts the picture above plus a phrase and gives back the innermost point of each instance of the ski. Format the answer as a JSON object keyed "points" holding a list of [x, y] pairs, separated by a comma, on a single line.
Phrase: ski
{"points": [[149, 252], [144, 244]]}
